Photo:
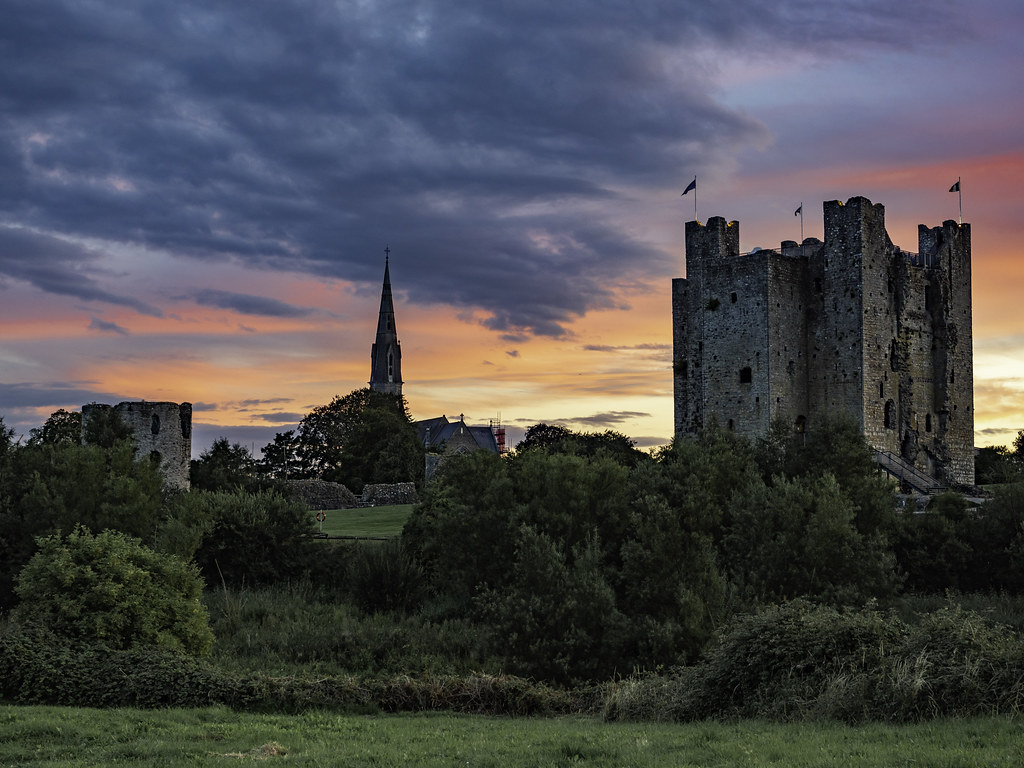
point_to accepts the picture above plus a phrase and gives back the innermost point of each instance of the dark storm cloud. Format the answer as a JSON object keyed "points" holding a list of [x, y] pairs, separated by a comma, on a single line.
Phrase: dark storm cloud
{"points": [[472, 137], [608, 419], [45, 394], [248, 304], [58, 266], [105, 326]]}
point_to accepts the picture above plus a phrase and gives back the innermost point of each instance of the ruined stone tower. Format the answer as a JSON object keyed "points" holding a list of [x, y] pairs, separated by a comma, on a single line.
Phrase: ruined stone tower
{"points": [[386, 354], [162, 431], [853, 325]]}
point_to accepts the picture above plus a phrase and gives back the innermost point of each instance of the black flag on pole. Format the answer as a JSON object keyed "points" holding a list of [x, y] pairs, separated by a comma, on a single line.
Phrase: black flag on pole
{"points": [[954, 188], [692, 185]]}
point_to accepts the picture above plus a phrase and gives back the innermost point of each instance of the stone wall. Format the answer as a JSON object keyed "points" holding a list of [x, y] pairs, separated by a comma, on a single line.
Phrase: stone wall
{"points": [[162, 431], [385, 494], [321, 494]]}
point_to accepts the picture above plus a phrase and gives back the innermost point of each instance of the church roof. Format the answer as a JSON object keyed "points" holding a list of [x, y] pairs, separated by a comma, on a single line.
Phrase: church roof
{"points": [[436, 432]]}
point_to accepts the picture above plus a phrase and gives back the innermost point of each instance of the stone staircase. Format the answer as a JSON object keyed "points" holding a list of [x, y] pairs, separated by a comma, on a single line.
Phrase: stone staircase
{"points": [[907, 474]]}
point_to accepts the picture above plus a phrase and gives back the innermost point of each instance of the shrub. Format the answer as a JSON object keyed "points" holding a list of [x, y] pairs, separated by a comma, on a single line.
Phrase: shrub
{"points": [[803, 661], [108, 587]]}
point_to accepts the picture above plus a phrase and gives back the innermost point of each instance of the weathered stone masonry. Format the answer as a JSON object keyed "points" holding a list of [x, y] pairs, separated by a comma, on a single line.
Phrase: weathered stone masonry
{"points": [[853, 325], [162, 431]]}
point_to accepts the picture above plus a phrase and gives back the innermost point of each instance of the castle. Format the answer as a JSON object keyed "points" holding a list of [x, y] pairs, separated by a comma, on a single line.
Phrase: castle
{"points": [[162, 431], [852, 325]]}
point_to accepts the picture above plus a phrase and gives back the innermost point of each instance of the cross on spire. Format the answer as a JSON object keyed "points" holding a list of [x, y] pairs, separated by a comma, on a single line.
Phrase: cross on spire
{"points": [[387, 252]]}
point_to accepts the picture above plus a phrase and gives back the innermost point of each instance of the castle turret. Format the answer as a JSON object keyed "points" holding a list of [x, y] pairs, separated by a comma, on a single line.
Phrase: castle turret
{"points": [[386, 353]]}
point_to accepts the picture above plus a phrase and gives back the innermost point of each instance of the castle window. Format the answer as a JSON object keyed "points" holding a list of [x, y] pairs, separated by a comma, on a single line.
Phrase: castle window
{"points": [[746, 375], [890, 414], [927, 422], [154, 426], [881, 389], [684, 369], [800, 425], [732, 297], [732, 425]]}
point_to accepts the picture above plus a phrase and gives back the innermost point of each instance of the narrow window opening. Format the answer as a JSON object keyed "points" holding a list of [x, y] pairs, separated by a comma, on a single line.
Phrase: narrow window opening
{"points": [[746, 375]]}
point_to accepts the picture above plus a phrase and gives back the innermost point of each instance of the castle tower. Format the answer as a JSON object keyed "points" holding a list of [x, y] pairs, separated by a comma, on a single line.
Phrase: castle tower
{"points": [[386, 354], [853, 325], [161, 431]]}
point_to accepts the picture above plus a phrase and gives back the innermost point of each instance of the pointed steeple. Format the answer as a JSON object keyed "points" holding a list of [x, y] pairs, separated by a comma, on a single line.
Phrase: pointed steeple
{"points": [[386, 354]]}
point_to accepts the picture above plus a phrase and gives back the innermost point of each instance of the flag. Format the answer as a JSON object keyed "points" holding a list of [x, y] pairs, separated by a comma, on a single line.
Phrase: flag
{"points": [[955, 187], [691, 185], [799, 210]]}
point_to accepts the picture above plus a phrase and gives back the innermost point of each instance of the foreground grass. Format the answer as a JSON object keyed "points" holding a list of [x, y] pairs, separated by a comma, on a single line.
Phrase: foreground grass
{"points": [[53, 736], [366, 521]]}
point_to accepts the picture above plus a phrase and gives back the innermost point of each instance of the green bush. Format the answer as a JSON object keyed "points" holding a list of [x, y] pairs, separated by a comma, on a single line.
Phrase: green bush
{"points": [[802, 661], [110, 588]]}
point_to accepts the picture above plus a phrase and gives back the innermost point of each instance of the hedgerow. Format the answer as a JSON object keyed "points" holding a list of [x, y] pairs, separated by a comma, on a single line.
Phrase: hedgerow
{"points": [[801, 661], [36, 667]]}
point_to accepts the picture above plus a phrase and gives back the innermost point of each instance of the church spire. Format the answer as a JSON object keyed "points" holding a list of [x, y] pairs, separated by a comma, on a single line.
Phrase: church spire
{"points": [[386, 354]]}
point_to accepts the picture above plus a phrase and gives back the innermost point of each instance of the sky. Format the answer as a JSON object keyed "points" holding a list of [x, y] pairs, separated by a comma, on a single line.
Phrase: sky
{"points": [[196, 196]]}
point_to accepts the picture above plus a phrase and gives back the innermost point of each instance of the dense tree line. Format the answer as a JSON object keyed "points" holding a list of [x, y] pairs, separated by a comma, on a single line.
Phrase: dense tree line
{"points": [[578, 557], [586, 558]]}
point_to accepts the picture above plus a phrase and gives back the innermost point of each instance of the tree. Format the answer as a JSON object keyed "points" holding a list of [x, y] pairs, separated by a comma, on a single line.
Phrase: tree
{"points": [[364, 437], [61, 427], [110, 588], [282, 459], [51, 487], [223, 466], [559, 439], [104, 427], [996, 464]]}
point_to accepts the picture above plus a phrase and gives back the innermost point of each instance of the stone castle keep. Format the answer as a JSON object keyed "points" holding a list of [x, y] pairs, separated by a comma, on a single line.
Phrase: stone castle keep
{"points": [[853, 325]]}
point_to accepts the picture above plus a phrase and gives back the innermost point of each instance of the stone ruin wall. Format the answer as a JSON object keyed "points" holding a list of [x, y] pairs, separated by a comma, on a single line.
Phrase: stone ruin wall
{"points": [[161, 430]]}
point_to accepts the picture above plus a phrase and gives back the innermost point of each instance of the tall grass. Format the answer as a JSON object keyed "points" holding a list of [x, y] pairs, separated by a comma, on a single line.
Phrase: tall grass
{"points": [[296, 629]]}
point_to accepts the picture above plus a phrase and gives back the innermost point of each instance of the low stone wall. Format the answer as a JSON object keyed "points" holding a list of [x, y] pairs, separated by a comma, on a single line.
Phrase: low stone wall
{"points": [[320, 494], [381, 495]]}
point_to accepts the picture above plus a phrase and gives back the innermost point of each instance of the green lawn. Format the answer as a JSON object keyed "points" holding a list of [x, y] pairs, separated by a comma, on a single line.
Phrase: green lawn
{"points": [[65, 737], [368, 521]]}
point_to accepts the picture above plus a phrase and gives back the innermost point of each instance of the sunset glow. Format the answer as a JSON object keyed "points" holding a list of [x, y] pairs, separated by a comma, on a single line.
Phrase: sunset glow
{"points": [[195, 202]]}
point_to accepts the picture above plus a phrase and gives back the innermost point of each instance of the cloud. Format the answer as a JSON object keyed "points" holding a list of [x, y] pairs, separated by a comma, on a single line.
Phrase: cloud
{"points": [[60, 267], [248, 304], [482, 142], [104, 326], [608, 419]]}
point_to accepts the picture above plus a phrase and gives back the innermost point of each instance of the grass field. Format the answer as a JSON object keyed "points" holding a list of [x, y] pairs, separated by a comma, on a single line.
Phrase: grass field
{"points": [[66, 737], [368, 521]]}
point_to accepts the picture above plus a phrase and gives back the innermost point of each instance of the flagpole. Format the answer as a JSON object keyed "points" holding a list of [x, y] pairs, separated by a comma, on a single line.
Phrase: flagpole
{"points": [[960, 199], [695, 199]]}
